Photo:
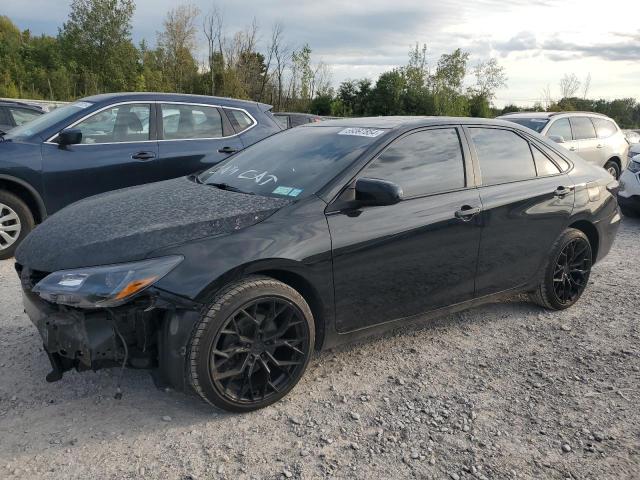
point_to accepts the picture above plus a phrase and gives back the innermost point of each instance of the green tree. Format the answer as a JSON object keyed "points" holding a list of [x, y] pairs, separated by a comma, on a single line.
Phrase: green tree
{"points": [[387, 95], [176, 47], [96, 44], [447, 84]]}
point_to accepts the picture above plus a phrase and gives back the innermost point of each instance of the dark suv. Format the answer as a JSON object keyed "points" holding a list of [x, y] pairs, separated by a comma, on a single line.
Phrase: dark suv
{"points": [[14, 114], [112, 141]]}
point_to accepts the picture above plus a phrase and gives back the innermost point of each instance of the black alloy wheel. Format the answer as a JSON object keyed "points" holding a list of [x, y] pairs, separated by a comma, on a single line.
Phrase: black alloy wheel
{"points": [[572, 269], [566, 274], [253, 346], [259, 349]]}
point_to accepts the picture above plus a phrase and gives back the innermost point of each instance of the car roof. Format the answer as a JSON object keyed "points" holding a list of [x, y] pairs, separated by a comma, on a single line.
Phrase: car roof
{"points": [[549, 114], [174, 97], [395, 122], [21, 104]]}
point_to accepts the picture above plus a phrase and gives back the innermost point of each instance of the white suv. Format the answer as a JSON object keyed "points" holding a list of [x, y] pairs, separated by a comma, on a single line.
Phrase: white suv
{"points": [[629, 193], [594, 137]]}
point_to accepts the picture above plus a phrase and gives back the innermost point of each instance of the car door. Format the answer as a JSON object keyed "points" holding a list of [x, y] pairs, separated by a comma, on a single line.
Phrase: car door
{"points": [[560, 129], [589, 147], [193, 138], [118, 150], [525, 206], [400, 260], [607, 144]]}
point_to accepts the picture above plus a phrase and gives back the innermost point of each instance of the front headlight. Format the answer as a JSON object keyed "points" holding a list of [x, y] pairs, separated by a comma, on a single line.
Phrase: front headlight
{"points": [[634, 164], [107, 286]]}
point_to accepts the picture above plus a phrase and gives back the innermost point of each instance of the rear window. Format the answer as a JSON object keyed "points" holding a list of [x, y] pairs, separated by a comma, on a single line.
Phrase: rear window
{"points": [[295, 163], [535, 124]]}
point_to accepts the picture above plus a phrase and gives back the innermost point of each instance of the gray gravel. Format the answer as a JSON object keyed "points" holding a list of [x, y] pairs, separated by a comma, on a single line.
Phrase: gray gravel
{"points": [[506, 390]]}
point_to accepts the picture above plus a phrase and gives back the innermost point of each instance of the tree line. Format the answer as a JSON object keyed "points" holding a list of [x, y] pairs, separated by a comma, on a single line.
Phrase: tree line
{"points": [[94, 52]]}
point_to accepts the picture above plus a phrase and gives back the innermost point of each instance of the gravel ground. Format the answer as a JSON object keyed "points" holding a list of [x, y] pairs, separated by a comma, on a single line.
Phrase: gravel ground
{"points": [[506, 390]]}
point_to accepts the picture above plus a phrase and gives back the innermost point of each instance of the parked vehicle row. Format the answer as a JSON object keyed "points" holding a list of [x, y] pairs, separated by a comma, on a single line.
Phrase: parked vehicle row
{"points": [[632, 136], [224, 283], [14, 114], [596, 138], [289, 120], [107, 142]]}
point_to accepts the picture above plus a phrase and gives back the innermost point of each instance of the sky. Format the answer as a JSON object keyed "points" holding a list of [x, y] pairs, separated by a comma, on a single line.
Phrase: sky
{"points": [[536, 41]]}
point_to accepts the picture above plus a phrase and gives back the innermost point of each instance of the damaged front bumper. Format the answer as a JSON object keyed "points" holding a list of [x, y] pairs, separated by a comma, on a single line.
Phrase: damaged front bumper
{"points": [[150, 332]]}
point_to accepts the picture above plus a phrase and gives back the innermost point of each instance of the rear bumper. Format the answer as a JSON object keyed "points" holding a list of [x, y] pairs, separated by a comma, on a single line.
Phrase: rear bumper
{"points": [[607, 230]]}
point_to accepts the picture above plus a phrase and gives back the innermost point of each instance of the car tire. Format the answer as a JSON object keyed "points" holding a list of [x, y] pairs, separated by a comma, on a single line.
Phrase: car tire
{"points": [[251, 346], [629, 212], [16, 221], [613, 168], [566, 273]]}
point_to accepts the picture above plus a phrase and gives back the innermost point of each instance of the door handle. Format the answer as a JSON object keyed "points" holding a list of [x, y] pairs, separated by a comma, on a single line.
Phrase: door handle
{"points": [[227, 150], [562, 192], [573, 149], [467, 212], [143, 156], [600, 146]]}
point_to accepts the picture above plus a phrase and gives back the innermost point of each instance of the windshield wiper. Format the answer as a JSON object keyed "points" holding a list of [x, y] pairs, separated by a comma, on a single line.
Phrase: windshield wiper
{"points": [[230, 188]]}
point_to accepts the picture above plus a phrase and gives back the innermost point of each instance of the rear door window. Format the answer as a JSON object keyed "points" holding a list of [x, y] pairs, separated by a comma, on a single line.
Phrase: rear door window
{"points": [[582, 128], [422, 163], [503, 155], [604, 128], [185, 122], [561, 128]]}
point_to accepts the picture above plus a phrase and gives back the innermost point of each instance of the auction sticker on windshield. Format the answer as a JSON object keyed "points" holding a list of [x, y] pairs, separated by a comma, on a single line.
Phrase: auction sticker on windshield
{"points": [[361, 132], [288, 191]]}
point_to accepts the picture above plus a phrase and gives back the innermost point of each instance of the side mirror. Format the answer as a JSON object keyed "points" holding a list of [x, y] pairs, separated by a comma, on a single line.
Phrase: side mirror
{"points": [[557, 138], [373, 192], [71, 136]]}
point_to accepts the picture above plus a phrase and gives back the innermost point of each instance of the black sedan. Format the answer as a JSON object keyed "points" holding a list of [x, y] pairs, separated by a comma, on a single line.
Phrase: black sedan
{"points": [[224, 283]]}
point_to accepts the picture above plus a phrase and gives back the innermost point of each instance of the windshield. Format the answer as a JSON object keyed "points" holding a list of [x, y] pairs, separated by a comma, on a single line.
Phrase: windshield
{"points": [[295, 163], [536, 124], [45, 121]]}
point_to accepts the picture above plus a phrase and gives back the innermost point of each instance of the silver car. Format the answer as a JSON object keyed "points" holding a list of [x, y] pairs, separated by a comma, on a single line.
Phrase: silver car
{"points": [[595, 137]]}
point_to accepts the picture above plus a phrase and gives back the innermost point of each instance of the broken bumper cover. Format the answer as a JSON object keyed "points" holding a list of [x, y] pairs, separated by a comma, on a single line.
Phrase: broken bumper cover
{"points": [[72, 339], [150, 333]]}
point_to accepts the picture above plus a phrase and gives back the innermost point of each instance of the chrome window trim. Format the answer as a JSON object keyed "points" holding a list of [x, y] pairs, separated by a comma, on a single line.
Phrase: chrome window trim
{"points": [[156, 102]]}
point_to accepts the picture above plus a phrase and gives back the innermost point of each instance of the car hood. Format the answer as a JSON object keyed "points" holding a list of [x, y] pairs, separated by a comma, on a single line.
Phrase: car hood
{"points": [[128, 225]]}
